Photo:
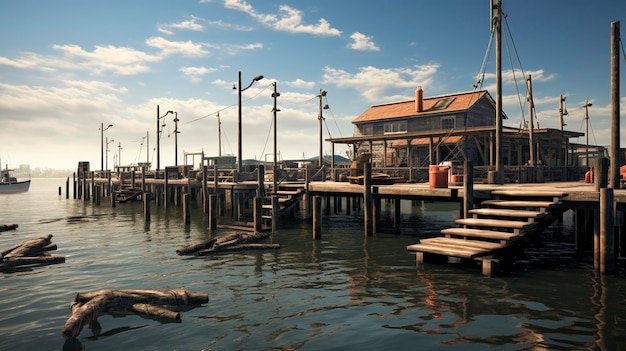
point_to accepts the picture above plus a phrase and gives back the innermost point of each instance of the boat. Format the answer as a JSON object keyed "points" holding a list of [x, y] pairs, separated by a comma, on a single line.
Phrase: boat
{"points": [[10, 184]]}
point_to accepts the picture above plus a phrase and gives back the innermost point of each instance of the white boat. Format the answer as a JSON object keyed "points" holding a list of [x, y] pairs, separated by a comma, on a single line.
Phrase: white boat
{"points": [[10, 184]]}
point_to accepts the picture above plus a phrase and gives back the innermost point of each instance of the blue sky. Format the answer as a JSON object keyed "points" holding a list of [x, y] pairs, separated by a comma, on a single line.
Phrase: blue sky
{"points": [[67, 66]]}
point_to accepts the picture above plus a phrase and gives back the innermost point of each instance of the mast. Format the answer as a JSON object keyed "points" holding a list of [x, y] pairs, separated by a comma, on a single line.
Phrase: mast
{"points": [[496, 5]]}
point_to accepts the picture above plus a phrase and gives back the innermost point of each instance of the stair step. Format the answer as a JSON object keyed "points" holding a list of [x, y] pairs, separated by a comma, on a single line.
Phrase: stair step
{"points": [[503, 212], [449, 247], [469, 243], [479, 233], [493, 223], [540, 205], [529, 193]]}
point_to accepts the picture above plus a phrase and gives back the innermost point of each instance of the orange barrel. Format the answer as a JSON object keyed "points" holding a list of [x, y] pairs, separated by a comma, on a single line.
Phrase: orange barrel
{"points": [[438, 176]]}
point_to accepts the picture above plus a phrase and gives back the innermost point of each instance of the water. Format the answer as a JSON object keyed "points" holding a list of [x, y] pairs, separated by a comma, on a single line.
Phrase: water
{"points": [[344, 292]]}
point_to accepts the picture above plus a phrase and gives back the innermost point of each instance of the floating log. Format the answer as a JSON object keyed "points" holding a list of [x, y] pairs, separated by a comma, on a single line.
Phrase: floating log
{"points": [[7, 227], [240, 240], [87, 307], [238, 248], [30, 252]]}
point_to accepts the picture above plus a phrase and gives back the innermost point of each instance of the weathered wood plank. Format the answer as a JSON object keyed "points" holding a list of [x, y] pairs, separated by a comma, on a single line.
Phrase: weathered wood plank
{"points": [[445, 250], [492, 223], [528, 193], [519, 204], [504, 212], [468, 243], [479, 233]]}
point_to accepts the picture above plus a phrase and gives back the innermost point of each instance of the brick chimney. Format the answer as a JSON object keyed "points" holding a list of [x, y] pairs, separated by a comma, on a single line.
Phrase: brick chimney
{"points": [[419, 99]]}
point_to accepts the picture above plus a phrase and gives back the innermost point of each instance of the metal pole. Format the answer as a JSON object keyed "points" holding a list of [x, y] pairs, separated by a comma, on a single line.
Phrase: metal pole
{"points": [[531, 127], [239, 122], [176, 139], [158, 148], [101, 146], [147, 149], [498, 23], [587, 104], [614, 178], [275, 95]]}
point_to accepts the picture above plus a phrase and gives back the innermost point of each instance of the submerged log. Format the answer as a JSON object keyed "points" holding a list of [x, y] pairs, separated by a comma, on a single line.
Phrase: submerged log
{"points": [[87, 307], [221, 243], [238, 248], [7, 227], [30, 252]]}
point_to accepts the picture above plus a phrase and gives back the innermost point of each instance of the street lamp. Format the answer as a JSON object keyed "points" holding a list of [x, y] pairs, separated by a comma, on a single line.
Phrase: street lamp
{"points": [[158, 131], [119, 154], [321, 118], [275, 95], [107, 152], [176, 138], [586, 107], [239, 91], [102, 129]]}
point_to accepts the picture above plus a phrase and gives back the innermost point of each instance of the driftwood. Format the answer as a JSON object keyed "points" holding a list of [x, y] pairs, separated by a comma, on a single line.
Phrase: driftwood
{"points": [[229, 242], [87, 307], [30, 252], [6, 227]]}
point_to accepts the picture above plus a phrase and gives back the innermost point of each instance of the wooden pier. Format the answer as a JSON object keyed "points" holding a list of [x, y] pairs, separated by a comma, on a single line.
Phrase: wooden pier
{"points": [[497, 221]]}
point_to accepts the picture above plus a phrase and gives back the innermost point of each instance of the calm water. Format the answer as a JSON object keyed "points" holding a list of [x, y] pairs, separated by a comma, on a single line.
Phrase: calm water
{"points": [[344, 292]]}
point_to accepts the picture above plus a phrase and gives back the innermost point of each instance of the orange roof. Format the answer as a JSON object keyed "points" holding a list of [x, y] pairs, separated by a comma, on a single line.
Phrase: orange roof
{"points": [[453, 139], [459, 102]]}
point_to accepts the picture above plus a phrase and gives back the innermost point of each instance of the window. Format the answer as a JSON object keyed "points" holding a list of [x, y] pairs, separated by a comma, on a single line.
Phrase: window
{"points": [[367, 129], [448, 123], [395, 127], [443, 103]]}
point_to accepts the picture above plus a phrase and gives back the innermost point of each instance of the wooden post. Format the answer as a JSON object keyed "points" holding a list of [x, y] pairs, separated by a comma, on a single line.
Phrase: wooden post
{"points": [[212, 212], [74, 184], [258, 213], [186, 213], [468, 187], [205, 190], [367, 198], [147, 197], [275, 213], [607, 222], [396, 215], [165, 191], [67, 188], [108, 183], [615, 115], [96, 194], [113, 199], [317, 217], [601, 173], [376, 210], [260, 191], [132, 179]]}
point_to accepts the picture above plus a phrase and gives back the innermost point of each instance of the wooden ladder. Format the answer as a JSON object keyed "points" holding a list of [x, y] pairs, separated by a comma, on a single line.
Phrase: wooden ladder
{"points": [[495, 231]]}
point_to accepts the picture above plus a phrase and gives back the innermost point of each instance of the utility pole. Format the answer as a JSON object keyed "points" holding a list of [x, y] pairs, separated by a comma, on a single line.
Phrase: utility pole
{"points": [[563, 112], [275, 95], [498, 177], [586, 118], [321, 118], [531, 122], [219, 136], [176, 139], [614, 178]]}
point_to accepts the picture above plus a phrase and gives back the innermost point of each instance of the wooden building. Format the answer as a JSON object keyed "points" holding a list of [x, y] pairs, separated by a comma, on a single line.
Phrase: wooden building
{"points": [[411, 135]]}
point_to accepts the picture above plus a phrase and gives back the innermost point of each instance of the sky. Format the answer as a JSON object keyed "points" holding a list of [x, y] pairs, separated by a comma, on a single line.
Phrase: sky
{"points": [[68, 67]]}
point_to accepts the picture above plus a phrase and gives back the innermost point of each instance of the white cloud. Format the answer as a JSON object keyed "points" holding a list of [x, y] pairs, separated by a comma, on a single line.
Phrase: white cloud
{"points": [[288, 20], [363, 42], [223, 25], [299, 83], [185, 48], [118, 60], [195, 73], [374, 83], [191, 24]]}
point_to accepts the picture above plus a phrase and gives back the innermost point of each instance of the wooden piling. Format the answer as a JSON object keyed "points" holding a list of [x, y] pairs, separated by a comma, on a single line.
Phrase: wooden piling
{"points": [[607, 221], [186, 209], [212, 212], [113, 199], [258, 213], [367, 199], [165, 191], [67, 188], [275, 213], [396, 215], [376, 209], [147, 197], [74, 184], [468, 187], [317, 217]]}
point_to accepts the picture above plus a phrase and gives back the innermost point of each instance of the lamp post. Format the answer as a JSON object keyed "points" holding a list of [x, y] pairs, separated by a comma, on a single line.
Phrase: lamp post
{"points": [[119, 154], [158, 138], [321, 118], [176, 139], [586, 107], [107, 153], [275, 95], [239, 91], [102, 129]]}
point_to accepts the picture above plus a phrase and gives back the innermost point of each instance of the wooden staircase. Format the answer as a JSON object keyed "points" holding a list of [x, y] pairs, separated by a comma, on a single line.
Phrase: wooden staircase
{"points": [[287, 200], [497, 232]]}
